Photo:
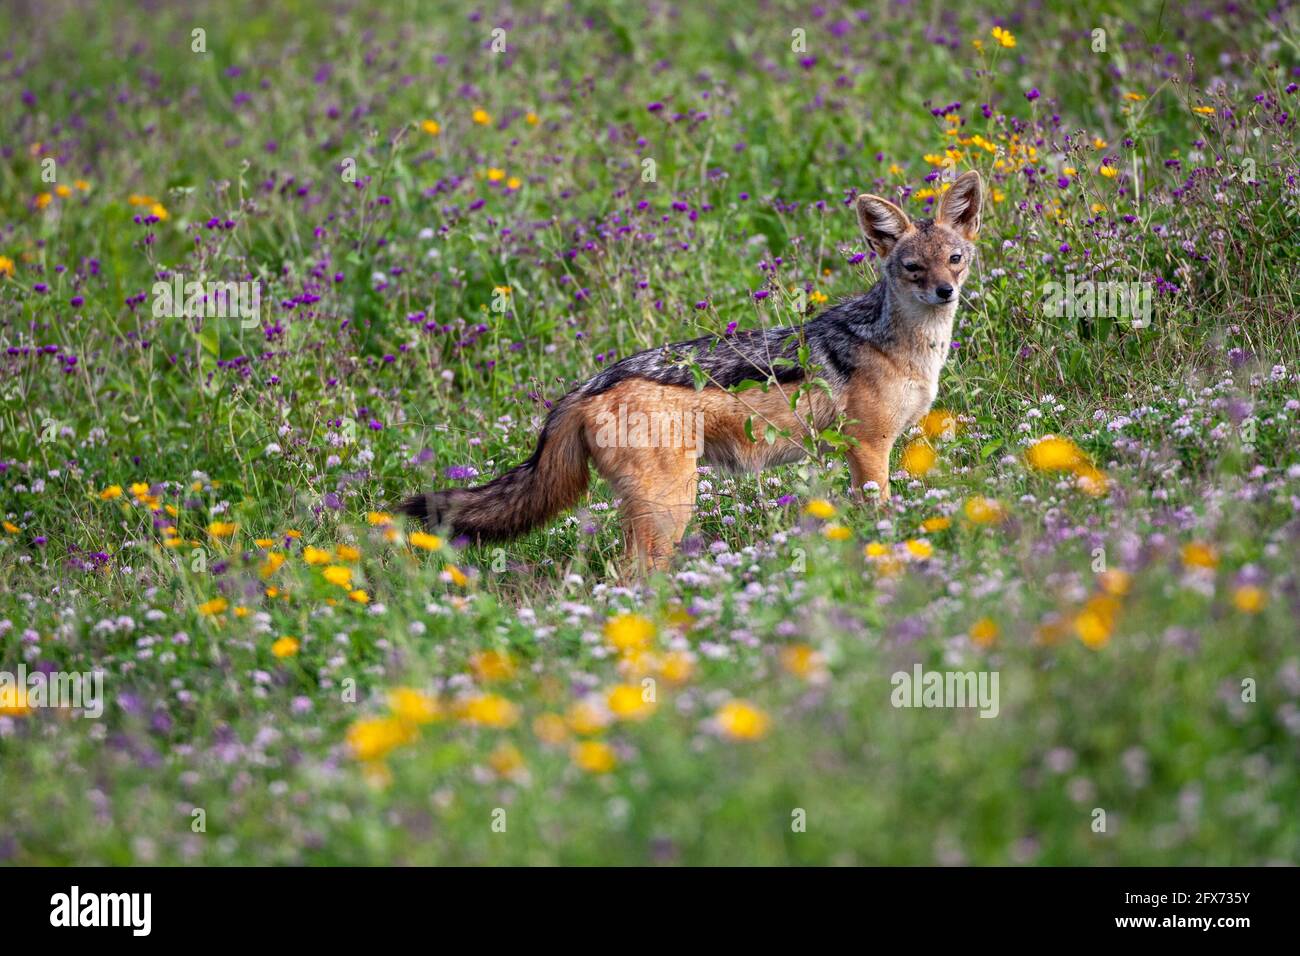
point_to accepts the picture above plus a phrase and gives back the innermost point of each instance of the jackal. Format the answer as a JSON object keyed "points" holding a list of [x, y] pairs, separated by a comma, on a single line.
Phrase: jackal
{"points": [[879, 353]]}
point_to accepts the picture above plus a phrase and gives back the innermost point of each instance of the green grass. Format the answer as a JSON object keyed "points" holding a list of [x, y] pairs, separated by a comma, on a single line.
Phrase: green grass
{"points": [[1191, 420]]}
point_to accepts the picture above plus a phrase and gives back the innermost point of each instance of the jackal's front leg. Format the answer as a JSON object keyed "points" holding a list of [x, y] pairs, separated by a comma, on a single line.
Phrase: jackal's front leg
{"points": [[869, 461]]}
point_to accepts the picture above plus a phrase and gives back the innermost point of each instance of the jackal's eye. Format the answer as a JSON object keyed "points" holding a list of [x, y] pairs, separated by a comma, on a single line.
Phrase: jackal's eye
{"points": [[912, 266], [955, 258]]}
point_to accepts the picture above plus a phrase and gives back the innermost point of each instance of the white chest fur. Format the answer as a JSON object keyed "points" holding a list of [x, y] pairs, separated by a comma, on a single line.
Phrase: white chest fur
{"points": [[925, 352]]}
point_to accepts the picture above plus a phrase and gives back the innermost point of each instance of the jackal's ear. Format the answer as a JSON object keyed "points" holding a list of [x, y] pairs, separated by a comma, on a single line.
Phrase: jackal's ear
{"points": [[960, 207], [883, 222]]}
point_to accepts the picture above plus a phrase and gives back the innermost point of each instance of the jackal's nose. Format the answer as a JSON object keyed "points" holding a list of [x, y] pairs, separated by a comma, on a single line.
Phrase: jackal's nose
{"points": [[943, 291]]}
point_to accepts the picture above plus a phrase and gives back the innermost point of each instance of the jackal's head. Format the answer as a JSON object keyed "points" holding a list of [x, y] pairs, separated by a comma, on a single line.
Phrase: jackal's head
{"points": [[926, 261]]}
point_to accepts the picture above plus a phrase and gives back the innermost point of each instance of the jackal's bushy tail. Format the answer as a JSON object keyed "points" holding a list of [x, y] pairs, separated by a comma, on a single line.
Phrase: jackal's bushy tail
{"points": [[549, 482]]}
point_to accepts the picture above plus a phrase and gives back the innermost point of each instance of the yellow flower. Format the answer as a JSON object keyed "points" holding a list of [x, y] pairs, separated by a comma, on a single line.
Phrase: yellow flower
{"points": [[111, 492], [506, 760], [818, 296], [63, 191], [594, 756], [918, 458], [457, 576], [10, 527], [338, 574], [628, 702], [981, 510], [1054, 454], [346, 552], [216, 606], [360, 596], [629, 632], [413, 706], [1115, 582], [514, 182], [936, 524], [919, 548], [676, 667], [421, 539], [44, 199], [481, 117], [1091, 481], [586, 717], [1099, 143], [313, 555], [495, 175], [984, 632], [939, 423], [1110, 172], [489, 710], [431, 127], [1096, 621], [1003, 37], [81, 185], [1203, 110], [372, 738], [159, 210], [379, 518], [802, 660], [285, 647], [820, 508], [222, 529], [1249, 599], [531, 119], [550, 729], [492, 665], [13, 701], [1134, 97], [741, 720], [977, 43], [837, 532], [875, 549], [1198, 554]]}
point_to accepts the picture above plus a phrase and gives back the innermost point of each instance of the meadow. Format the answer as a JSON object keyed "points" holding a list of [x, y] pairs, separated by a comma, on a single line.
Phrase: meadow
{"points": [[437, 218]]}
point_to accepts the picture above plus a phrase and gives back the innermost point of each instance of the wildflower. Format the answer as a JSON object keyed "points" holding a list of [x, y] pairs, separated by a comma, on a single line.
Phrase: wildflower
{"points": [[6, 266], [741, 720], [918, 458], [481, 117], [338, 574], [285, 647], [10, 527], [215, 606], [13, 701], [379, 518], [594, 756], [372, 738], [1091, 481], [313, 555], [1197, 554], [628, 632], [492, 665], [1249, 599], [586, 717], [676, 667], [489, 710], [984, 632], [919, 548], [222, 529], [628, 702], [431, 127], [513, 183], [938, 423], [455, 575], [413, 706], [820, 508], [495, 175], [1110, 172], [836, 532], [936, 524], [1115, 582], [1003, 37], [802, 660], [981, 510], [43, 199], [346, 552], [1203, 110], [360, 596], [1096, 621], [1054, 454], [530, 118], [422, 539], [550, 729], [111, 492], [506, 760]]}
